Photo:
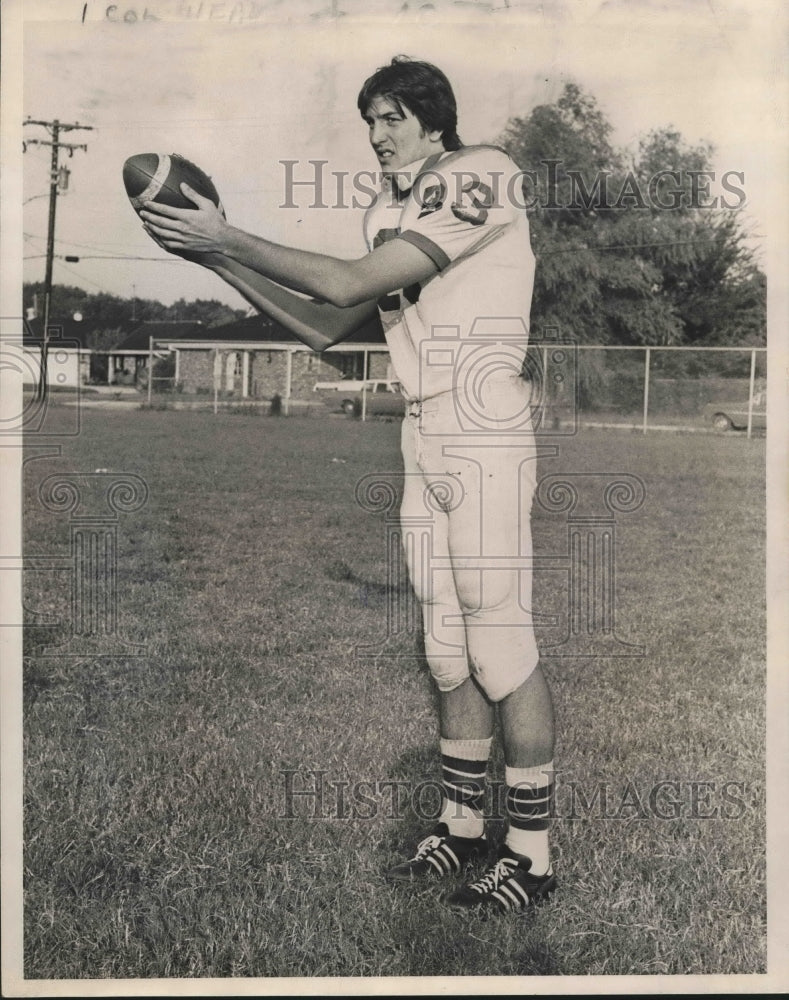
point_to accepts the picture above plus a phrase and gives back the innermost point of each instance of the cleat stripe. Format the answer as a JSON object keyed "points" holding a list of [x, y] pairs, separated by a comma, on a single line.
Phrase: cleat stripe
{"points": [[507, 891], [516, 885], [435, 863], [503, 900], [441, 854], [453, 857]]}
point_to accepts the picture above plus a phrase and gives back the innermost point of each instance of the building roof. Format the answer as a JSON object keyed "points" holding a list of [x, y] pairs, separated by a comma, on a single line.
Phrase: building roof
{"points": [[262, 330], [252, 329], [72, 332], [139, 338]]}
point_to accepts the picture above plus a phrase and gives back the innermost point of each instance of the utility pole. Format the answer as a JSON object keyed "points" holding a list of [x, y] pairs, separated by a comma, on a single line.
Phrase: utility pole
{"points": [[55, 178]]}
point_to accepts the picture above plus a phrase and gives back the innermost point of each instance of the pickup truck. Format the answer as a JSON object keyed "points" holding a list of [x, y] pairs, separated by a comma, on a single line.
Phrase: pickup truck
{"points": [[381, 396]]}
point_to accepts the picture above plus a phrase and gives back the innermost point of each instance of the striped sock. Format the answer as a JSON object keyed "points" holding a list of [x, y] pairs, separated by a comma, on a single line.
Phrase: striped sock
{"points": [[463, 767], [529, 807]]}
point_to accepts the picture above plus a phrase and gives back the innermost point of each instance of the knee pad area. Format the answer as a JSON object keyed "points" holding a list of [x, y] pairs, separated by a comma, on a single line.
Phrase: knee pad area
{"points": [[498, 685]]}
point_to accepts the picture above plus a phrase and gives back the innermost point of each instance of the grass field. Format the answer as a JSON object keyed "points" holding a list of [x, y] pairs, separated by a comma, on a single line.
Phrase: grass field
{"points": [[160, 836]]}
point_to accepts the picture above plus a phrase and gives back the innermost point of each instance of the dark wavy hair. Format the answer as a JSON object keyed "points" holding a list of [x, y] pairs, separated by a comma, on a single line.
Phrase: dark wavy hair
{"points": [[420, 87]]}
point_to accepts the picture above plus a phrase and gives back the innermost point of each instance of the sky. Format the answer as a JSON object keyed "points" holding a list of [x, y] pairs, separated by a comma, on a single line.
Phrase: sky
{"points": [[239, 98]]}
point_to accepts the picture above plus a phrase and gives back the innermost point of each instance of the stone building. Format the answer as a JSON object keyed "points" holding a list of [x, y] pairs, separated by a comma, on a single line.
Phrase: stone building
{"points": [[127, 362], [256, 358]]}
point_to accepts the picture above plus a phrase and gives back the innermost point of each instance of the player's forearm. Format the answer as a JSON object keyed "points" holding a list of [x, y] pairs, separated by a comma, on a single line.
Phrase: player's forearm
{"points": [[327, 278], [319, 325]]}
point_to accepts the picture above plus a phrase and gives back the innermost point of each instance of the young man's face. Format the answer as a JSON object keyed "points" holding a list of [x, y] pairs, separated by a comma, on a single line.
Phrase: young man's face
{"points": [[397, 137]]}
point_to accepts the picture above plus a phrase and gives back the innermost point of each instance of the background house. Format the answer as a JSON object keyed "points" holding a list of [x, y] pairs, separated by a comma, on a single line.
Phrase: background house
{"points": [[127, 362], [256, 358], [251, 358]]}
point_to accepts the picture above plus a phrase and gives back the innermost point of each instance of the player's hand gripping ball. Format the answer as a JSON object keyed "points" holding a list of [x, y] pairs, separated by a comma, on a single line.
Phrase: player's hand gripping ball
{"points": [[158, 177]]}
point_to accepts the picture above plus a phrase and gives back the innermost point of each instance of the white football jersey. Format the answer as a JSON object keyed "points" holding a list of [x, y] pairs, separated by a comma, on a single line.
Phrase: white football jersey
{"points": [[470, 319]]}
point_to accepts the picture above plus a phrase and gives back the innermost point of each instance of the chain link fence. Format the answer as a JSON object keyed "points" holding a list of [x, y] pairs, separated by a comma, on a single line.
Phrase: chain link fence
{"points": [[696, 389], [652, 388]]}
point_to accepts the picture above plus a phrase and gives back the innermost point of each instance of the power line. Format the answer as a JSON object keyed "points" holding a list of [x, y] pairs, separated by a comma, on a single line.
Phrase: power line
{"points": [[166, 123], [98, 246], [81, 277], [101, 246], [82, 256], [91, 246], [159, 260]]}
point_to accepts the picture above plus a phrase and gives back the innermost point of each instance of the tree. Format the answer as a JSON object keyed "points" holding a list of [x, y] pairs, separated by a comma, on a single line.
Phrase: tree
{"points": [[209, 312], [109, 318], [574, 184], [704, 264], [629, 254], [101, 312]]}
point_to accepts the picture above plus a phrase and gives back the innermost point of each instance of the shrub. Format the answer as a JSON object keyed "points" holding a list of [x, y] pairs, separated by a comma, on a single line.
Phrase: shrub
{"points": [[163, 374]]}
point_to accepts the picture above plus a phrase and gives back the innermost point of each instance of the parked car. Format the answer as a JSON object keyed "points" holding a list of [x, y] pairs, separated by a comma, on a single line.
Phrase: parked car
{"points": [[381, 399], [734, 416], [343, 385], [374, 397]]}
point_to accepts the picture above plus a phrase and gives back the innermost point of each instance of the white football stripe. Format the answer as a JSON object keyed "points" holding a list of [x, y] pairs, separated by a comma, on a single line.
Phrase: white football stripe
{"points": [[155, 185]]}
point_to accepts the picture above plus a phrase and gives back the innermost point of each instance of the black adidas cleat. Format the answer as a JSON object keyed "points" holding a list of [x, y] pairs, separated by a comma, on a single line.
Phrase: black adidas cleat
{"points": [[439, 854], [507, 887]]}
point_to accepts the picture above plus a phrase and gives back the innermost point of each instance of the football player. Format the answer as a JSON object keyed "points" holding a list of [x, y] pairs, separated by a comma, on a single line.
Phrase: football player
{"points": [[450, 269]]}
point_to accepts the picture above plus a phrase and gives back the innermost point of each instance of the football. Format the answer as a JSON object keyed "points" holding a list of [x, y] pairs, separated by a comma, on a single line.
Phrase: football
{"points": [[158, 177]]}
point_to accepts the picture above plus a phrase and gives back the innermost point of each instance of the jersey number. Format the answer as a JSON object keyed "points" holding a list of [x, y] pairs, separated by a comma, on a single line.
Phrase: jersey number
{"points": [[475, 200]]}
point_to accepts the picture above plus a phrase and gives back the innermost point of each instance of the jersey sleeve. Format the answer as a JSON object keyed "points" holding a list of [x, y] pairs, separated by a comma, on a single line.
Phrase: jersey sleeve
{"points": [[462, 204]]}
